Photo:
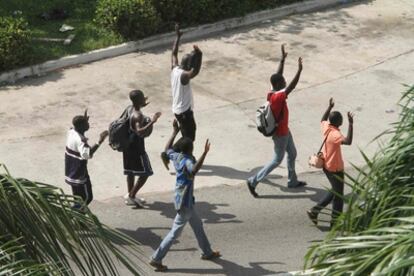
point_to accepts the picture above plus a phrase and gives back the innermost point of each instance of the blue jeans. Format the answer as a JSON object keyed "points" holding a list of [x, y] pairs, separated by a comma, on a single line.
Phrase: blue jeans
{"points": [[282, 144], [183, 216]]}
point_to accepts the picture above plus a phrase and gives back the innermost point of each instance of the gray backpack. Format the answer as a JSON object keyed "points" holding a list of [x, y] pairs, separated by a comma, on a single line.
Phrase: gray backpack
{"points": [[265, 121], [119, 131]]}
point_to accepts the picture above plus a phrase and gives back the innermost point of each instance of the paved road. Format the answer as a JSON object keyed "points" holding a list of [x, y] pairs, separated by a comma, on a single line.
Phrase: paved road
{"points": [[360, 54], [263, 236]]}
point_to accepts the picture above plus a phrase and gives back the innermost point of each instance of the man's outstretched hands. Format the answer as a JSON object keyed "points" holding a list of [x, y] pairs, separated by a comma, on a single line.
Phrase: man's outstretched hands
{"points": [[350, 118], [331, 103], [176, 127], [207, 146], [284, 54], [178, 32], [156, 117]]}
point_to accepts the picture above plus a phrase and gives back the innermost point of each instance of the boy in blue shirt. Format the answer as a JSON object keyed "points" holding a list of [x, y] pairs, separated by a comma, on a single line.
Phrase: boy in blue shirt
{"points": [[186, 168]]}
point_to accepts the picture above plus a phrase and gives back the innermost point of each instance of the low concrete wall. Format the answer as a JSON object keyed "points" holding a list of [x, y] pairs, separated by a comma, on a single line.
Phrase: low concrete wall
{"points": [[166, 39]]}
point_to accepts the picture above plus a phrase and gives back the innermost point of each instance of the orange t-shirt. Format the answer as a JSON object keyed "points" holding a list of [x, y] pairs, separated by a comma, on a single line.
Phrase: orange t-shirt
{"points": [[332, 148]]}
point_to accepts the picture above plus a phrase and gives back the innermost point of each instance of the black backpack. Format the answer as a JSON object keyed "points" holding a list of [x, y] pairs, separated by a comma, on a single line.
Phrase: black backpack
{"points": [[119, 131]]}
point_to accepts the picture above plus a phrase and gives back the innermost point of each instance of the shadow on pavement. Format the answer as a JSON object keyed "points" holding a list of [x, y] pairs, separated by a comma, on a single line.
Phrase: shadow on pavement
{"points": [[207, 211], [147, 237], [230, 268], [231, 173]]}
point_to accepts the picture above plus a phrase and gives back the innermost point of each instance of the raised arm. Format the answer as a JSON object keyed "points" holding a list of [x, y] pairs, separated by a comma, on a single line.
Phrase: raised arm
{"points": [[174, 55], [328, 110], [170, 142], [186, 76], [282, 61], [348, 139], [200, 161], [295, 80], [102, 138], [139, 129]]}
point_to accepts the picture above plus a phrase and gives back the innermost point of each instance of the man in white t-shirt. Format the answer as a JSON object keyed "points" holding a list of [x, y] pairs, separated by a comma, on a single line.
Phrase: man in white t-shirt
{"points": [[181, 74]]}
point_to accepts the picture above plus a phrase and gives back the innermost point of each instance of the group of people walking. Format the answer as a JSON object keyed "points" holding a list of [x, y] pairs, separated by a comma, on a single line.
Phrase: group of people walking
{"points": [[137, 164]]}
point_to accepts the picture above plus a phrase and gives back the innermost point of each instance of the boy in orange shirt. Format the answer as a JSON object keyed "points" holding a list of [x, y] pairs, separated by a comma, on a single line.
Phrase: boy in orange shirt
{"points": [[333, 162]]}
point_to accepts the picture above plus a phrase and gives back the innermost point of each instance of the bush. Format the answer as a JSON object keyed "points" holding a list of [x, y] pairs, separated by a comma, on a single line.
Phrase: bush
{"points": [[212, 10], [14, 42], [132, 19], [183, 11]]}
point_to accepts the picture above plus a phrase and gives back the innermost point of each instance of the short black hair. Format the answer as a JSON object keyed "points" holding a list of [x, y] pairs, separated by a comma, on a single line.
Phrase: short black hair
{"points": [[137, 96], [277, 81], [186, 62], [79, 121], [183, 145], [335, 118]]}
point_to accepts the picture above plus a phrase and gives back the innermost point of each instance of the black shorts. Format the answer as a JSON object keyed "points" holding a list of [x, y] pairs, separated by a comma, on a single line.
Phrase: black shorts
{"points": [[136, 164]]}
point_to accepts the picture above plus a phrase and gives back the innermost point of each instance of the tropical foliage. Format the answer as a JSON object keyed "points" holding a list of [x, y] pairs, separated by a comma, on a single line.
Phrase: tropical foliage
{"points": [[375, 235], [42, 234]]}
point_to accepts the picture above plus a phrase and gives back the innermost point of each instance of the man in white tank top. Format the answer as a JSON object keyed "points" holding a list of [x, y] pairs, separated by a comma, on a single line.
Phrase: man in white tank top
{"points": [[181, 74]]}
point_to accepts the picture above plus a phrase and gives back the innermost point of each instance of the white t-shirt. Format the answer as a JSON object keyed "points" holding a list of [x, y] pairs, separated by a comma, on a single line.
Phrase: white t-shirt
{"points": [[77, 143], [182, 94]]}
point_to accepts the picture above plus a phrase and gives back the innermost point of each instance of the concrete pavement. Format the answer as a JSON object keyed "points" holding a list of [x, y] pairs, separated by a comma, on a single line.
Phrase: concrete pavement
{"points": [[264, 236], [359, 54]]}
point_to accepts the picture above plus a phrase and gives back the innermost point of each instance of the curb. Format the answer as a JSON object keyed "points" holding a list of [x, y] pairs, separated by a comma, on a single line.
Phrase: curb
{"points": [[166, 39]]}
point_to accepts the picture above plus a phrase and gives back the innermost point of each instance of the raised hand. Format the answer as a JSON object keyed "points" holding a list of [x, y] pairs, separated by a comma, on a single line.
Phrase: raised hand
{"points": [[103, 136], [178, 32], [350, 118], [196, 48], [156, 116], [300, 64], [85, 114], [331, 103], [207, 146], [284, 54], [176, 126]]}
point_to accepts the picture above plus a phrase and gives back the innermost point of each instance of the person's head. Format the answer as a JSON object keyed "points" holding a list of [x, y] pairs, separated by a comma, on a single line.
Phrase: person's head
{"points": [[335, 118], [80, 123], [137, 97], [278, 82], [186, 62], [184, 145]]}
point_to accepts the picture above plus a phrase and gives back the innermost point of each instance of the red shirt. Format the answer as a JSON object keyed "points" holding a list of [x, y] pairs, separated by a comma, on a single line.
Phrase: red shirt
{"points": [[277, 104]]}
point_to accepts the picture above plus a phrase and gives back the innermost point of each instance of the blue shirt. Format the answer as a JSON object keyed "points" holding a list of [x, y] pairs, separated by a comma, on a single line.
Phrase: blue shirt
{"points": [[184, 185]]}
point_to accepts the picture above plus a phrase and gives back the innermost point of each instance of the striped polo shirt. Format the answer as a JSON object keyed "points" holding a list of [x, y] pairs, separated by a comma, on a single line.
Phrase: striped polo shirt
{"points": [[76, 158]]}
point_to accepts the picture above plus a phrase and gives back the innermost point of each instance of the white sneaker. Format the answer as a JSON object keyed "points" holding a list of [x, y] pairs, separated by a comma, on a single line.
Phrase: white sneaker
{"points": [[130, 201], [141, 199], [138, 202]]}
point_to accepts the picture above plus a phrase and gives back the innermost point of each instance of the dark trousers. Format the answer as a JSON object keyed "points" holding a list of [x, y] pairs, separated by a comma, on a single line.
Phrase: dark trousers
{"points": [[187, 124], [335, 195], [84, 191]]}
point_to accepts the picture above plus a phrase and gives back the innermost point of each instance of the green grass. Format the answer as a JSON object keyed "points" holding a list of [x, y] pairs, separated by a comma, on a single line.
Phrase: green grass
{"points": [[89, 36]]}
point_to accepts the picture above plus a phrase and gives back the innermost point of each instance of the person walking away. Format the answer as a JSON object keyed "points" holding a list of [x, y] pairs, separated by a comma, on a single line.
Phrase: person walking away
{"points": [[135, 158], [282, 138], [333, 161], [77, 154], [186, 169]]}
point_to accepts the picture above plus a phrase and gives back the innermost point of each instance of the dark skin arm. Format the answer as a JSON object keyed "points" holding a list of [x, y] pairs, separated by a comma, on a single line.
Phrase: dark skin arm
{"points": [[170, 142], [295, 80], [328, 110], [200, 161], [186, 76], [282, 61], [348, 138], [137, 120], [169, 145], [174, 55], [102, 138]]}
